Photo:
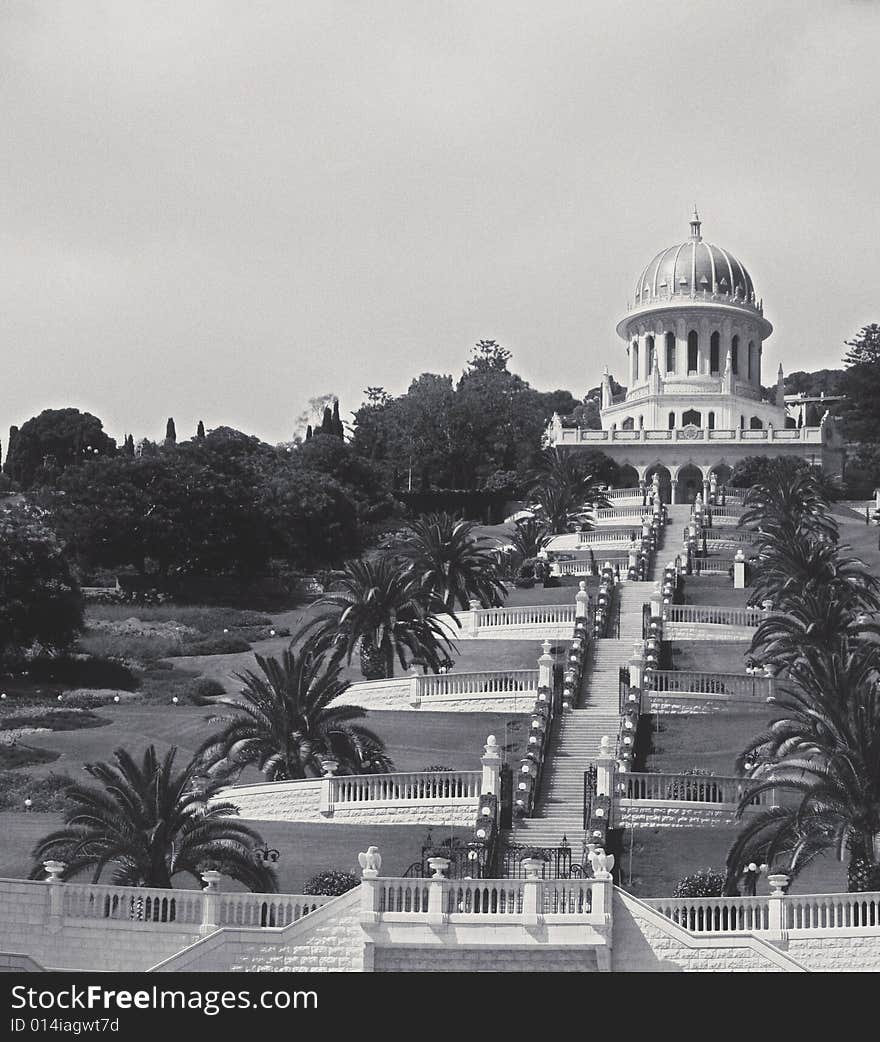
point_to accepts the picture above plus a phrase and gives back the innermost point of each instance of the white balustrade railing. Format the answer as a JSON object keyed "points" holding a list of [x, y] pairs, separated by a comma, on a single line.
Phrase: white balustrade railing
{"points": [[525, 615], [423, 786], [611, 536], [832, 911], [500, 899], [614, 512], [574, 435], [267, 910], [728, 510], [688, 788], [583, 566], [623, 493], [712, 565], [716, 914], [131, 904], [501, 682], [693, 682], [740, 538], [712, 615]]}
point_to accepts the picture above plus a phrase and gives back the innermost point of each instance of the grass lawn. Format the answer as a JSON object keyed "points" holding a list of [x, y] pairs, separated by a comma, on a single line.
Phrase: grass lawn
{"points": [[20, 755], [708, 742], [417, 739], [661, 857], [713, 589], [710, 656]]}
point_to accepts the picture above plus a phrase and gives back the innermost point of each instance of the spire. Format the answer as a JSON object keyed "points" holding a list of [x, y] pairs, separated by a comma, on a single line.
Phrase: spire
{"points": [[695, 226]]}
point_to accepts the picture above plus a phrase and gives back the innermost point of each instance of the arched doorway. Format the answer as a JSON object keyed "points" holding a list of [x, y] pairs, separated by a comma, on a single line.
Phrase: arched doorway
{"points": [[665, 481], [689, 483], [755, 424], [692, 416]]}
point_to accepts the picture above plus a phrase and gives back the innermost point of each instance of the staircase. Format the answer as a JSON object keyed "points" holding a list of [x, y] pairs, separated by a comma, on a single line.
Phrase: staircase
{"points": [[559, 806]]}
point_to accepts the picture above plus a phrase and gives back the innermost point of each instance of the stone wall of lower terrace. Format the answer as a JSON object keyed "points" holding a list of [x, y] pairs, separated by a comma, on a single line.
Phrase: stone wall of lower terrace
{"points": [[695, 693], [709, 622], [425, 798]]}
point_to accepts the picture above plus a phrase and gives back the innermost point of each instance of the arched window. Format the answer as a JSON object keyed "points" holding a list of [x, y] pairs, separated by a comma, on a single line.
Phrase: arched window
{"points": [[672, 421], [628, 424], [692, 416], [634, 356], [734, 354], [711, 421], [649, 353], [755, 424], [714, 352], [693, 350], [670, 352], [751, 368]]}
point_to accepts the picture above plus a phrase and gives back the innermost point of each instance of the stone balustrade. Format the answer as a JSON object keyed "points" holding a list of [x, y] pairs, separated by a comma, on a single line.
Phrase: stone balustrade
{"points": [[611, 536], [687, 788], [401, 787], [711, 615], [579, 435], [693, 682], [712, 566], [131, 904], [611, 514], [525, 615], [583, 566], [716, 914], [267, 910]]}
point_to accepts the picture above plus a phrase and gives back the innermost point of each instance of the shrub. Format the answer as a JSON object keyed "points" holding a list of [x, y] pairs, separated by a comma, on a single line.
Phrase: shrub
{"points": [[331, 883], [54, 720], [227, 644], [206, 688], [45, 793], [708, 883], [134, 647], [436, 767], [80, 671]]}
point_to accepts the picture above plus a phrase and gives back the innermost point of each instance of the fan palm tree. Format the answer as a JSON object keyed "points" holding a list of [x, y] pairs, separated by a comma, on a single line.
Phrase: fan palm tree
{"points": [[448, 562], [824, 753], [149, 823], [287, 720], [381, 610]]}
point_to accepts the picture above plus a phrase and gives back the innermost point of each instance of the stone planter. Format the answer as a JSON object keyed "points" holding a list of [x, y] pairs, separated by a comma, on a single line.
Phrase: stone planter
{"points": [[439, 866], [532, 866]]}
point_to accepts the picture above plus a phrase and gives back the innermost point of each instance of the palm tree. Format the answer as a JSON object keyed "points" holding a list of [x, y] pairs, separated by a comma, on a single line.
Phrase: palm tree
{"points": [[381, 610], [448, 562], [564, 491], [824, 752], [149, 823], [788, 496], [287, 721], [530, 536]]}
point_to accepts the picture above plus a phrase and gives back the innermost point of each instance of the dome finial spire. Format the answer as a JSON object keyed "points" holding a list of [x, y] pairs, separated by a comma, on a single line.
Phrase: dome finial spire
{"points": [[695, 225]]}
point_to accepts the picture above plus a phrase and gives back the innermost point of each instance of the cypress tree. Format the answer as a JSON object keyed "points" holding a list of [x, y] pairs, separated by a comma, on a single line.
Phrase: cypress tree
{"points": [[170, 432], [327, 421], [129, 446], [309, 433], [10, 449], [200, 430], [338, 429]]}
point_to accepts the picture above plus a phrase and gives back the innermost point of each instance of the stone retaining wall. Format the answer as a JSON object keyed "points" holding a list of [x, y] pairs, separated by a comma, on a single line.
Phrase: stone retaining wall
{"points": [[679, 703], [706, 631], [672, 814], [463, 960]]}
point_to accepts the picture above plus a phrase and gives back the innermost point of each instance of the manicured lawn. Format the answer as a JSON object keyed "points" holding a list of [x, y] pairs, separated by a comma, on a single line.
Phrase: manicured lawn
{"points": [[710, 656], [661, 857], [707, 742], [713, 589], [21, 755], [417, 739]]}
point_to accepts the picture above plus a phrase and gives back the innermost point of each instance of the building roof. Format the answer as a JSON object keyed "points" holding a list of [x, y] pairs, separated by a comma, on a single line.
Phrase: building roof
{"points": [[691, 267]]}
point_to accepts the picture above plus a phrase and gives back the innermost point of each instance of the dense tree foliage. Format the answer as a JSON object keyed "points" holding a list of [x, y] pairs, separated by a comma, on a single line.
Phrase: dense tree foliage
{"points": [[49, 443], [39, 598], [861, 385], [473, 434]]}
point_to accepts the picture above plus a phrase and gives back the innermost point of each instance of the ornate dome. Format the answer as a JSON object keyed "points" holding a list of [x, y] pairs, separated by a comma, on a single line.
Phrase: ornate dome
{"points": [[693, 268]]}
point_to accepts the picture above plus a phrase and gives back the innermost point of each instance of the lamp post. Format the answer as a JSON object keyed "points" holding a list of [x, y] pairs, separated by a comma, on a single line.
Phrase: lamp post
{"points": [[266, 855]]}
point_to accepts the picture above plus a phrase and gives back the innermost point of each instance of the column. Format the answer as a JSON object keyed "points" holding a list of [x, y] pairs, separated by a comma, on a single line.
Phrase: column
{"points": [[490, 784], [211, 899]]}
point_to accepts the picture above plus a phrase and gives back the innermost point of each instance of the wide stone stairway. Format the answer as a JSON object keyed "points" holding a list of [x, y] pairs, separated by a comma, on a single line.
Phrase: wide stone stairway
{"points": [[559, 807]]}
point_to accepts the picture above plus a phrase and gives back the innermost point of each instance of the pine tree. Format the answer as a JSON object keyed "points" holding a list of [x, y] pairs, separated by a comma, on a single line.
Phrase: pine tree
{"points": [[338, 429], [200, 430], [327, 421], [170, 432]]}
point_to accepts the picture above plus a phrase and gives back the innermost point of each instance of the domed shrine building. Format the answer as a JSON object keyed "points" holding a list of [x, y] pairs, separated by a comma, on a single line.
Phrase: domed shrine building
{"points": [[693, 407]]}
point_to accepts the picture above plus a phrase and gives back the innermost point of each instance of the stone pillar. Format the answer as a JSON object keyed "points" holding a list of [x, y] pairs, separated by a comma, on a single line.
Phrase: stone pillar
{"points": [[545, 666], [55, 870], [606, 769], [766, 608], [474, 606], [415, 693], [210, 902], [637, 666], [325, 800], [581, 601], [437, 886], [778, 927], [739, 571], [531, 888], [491, 761]]}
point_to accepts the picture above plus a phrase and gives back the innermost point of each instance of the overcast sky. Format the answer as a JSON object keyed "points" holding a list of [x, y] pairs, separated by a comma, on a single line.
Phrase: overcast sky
{"points": [[218, 210]]}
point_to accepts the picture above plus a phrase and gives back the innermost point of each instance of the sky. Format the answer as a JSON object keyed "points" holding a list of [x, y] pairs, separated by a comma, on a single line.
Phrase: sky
{"points": [[218, 210]]}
